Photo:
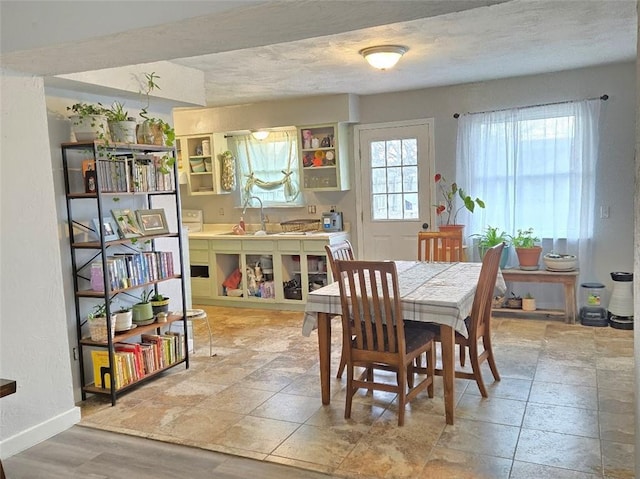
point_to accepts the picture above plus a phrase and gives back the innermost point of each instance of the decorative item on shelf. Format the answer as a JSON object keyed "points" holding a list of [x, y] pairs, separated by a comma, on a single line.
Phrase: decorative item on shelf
{"points": [[197, 165], [490, 238], [124, 319], [90, 177], [208, 165], [89, 122], [143, 311], [528, 303], [109, 229], [318, 158], [448, 206], [526, 249], [513, 302], [121, 125], [127, 223], [228, 166], [307, 136], [152, 222]]}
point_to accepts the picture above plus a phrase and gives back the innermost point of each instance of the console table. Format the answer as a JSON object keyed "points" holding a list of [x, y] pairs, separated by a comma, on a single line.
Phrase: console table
{"points": [[566, 278]]}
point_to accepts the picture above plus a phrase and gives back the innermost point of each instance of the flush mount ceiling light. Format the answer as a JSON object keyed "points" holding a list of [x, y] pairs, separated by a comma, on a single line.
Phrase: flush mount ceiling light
{"points": [[259, 134], [383, 56]]}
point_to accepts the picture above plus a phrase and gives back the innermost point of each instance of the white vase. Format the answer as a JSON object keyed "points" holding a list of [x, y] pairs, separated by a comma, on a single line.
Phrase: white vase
{"points": [[123, 131], [90, 128]]}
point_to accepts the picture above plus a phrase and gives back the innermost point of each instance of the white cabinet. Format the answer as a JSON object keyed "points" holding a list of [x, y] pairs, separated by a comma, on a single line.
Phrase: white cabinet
{"points": [[276, 272], [324, 157], [198, 157]]}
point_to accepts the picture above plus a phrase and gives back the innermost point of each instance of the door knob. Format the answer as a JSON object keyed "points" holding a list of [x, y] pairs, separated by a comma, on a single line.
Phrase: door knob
{"points": [[425, 226]]}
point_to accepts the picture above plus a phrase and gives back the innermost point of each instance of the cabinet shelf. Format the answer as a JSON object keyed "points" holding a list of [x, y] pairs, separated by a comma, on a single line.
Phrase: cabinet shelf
{"points": [[142, 181], [328, 174]]}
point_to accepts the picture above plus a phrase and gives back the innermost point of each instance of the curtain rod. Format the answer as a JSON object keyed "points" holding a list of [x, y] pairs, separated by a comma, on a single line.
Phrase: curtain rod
{"points": [[604, 97]]}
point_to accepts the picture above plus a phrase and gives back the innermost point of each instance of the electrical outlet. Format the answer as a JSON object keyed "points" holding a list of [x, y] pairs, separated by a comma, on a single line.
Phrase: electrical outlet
{"points": [[604, 212], [221, 212], [75, 353], [311, 209]]}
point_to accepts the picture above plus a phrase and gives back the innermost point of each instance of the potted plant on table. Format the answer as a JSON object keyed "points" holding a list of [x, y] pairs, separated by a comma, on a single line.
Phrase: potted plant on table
{"points": [[527, 250], [89, 122], [448, 208], [493, 236]]}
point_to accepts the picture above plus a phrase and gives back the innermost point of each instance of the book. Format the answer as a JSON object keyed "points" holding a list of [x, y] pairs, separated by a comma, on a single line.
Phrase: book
{"points": [[100, 359]]}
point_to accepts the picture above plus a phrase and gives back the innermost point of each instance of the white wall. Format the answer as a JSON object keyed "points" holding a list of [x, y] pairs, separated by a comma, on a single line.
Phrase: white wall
{"points": [[34, 347]]}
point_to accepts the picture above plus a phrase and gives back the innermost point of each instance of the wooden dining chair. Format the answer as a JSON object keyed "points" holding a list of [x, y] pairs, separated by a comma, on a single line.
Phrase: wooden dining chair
{"points": [[443, 246], [479, 324], [339, 251], [376, 334]]}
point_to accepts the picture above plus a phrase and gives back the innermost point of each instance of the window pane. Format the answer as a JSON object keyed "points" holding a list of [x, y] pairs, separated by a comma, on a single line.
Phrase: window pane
{"points": [[379, 205], [378, 152], [394, 181], [379, 180], [410, 179], [394, 153], [410, 152], [411, 206], [396, 210]]}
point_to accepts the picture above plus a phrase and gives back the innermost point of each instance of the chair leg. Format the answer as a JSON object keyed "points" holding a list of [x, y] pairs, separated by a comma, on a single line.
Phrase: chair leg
{"points": [[350, 392], [402, 394], [486, 343], [343, 364], [462, 354], [431, 369], [477, 373]]}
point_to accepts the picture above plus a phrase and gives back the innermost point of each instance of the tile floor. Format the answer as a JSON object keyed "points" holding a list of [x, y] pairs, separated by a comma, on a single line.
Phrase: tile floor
{"points": [[564, 408]]}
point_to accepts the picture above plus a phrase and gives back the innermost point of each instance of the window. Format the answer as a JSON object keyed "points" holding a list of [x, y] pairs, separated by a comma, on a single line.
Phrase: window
{"points": [[533, 167], [394, 179], [268, 168]]}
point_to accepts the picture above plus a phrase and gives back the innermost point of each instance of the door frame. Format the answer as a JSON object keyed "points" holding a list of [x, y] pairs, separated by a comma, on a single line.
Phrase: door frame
{"points": [[431, 162]]}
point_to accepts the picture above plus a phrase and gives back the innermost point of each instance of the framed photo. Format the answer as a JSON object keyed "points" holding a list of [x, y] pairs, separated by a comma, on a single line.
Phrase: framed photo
{"points": [[109, 229], [128, 225], [152, 222]]}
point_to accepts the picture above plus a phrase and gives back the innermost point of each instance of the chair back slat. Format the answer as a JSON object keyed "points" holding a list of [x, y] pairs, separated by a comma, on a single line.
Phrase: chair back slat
{"points": [[441, 246], [338, 251], [370, 297], [482, 301]]}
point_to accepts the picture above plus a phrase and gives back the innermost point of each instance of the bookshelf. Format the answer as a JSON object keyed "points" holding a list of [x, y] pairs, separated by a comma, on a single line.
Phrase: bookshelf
{"points": [[114, 258]]}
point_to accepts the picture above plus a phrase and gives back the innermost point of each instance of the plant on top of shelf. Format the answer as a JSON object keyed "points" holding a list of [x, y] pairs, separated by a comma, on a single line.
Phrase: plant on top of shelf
{"points": [[491, 237], [151, 127], [524, 239], [527, 250], [89, 122], [449, 194], [122, 126]]}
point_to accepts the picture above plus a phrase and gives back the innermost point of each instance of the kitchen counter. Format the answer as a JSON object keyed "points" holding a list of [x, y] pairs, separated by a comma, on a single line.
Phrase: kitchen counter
{"points": [[224, 232]]}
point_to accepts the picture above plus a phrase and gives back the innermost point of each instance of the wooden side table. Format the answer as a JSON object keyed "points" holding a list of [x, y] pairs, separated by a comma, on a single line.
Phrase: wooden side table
{"points": [[7, 386], [567, 278]]}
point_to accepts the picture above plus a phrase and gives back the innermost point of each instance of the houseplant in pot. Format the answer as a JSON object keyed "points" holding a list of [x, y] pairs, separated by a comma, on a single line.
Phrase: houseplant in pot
{"points": [[121, 125], [142, 311], [98, 323], [492, 237], [89, 122], [159, 303], [447, 209], [124, 318], [153, 131], [527, 250]]}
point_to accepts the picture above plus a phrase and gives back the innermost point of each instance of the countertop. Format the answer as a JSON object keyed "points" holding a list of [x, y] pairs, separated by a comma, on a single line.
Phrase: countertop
{"points": [[223, 232]]}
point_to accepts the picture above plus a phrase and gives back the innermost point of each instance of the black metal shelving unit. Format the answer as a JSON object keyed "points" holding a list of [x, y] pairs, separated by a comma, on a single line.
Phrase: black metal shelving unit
{"points": [[75, 189]]}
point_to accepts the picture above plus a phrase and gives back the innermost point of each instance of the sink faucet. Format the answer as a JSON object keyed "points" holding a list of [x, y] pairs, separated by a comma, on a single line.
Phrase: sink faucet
{"points": [[263, 225]]}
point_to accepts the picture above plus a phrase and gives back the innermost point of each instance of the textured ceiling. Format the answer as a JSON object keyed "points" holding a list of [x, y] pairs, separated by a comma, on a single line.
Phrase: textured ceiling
{"points": [[265, 50]]}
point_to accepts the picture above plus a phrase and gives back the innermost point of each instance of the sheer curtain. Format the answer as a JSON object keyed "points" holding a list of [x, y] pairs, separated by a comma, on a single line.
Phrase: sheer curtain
{"points": [[269, 168], [533, 167]]}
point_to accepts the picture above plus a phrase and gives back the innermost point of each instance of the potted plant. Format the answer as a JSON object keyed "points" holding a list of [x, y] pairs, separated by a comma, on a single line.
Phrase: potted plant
{"points": [[97, 320], [528, 303], [448, 206], [124, 318], [159, 303], [492, 237], [142, 311], [153, 131], [89, 122], [121, 125], [526, 248]]}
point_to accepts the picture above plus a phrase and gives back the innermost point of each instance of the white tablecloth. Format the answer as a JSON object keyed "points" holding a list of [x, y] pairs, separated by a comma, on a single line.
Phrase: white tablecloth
{"points": [[431, 292]]}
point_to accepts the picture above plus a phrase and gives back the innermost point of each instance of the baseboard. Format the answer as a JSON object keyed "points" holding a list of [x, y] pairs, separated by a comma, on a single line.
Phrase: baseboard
{"points": [[38, 433]]}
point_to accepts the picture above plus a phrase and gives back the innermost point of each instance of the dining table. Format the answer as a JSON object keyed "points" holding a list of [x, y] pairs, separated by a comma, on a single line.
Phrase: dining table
{"points": [[440, 293]]}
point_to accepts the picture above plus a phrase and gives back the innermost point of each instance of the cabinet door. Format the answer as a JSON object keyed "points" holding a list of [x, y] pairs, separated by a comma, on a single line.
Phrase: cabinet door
{"points": [[323, 157], [199, 158]]}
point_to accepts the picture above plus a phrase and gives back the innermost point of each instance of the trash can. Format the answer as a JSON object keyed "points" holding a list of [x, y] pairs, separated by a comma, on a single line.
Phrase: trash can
{"points": [[621, 304], [593, 310]]}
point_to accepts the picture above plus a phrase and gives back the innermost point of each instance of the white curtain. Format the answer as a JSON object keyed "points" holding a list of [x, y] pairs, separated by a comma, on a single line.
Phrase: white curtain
{"points": [[533, 167], [269, 168]]}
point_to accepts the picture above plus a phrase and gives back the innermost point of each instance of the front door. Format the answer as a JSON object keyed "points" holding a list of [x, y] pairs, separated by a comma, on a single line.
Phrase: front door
{"points": [[396, 168]]}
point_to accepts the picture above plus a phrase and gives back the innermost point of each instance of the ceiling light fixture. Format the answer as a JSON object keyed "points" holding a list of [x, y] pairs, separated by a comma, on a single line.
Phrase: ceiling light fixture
{"points": [[259, 134], [383, 56]]}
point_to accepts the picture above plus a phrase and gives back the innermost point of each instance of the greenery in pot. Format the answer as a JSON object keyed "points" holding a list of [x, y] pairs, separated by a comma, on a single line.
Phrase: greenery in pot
{"points": [[90, 122], [524, 239], [491, 237], [118, 113], [449, 194], [122, 126], [150, 124], [99, 311]]}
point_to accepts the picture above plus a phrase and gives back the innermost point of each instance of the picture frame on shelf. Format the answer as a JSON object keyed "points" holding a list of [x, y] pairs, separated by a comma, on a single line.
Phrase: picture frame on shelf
{"points": [[127, 222], [109, 229], [152, 222]]}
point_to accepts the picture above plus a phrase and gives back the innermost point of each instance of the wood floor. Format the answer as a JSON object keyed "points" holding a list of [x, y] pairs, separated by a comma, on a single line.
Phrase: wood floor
{"points": [[86, 453]]}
